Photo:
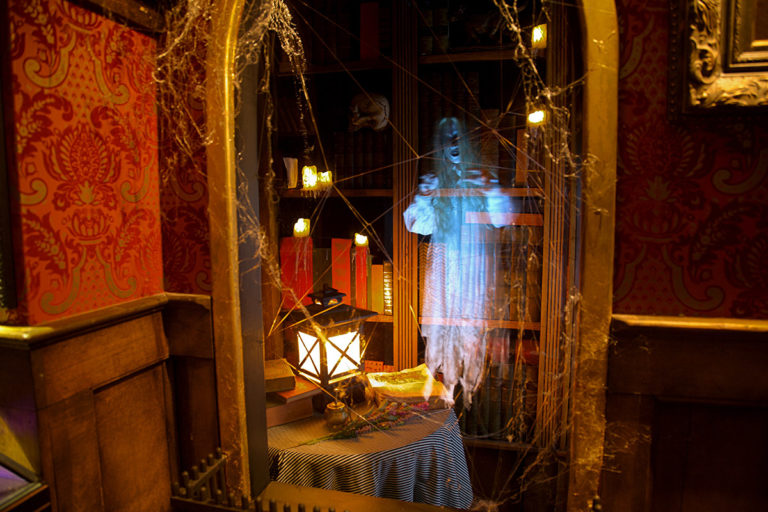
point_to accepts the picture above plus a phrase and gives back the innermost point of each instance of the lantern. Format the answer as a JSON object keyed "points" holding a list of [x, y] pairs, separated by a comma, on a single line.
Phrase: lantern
{"points": [[330, 345]]}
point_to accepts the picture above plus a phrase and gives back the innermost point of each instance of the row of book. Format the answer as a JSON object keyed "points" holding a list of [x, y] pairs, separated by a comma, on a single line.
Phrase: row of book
{"points": [[513, 263], [338, 31], [363, 159], [504, 407], [493, 134], [344, 266]]}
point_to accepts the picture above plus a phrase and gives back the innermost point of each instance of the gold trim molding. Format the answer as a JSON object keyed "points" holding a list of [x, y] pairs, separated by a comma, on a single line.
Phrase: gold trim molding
{"points": [[716, 63], [621, 322]]}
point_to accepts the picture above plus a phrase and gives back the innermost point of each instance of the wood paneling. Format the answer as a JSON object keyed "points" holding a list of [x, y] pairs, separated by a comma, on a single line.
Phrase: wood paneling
{"points": [[194, 382], [85, 362], [105, 434], [69, 444], [687, 413], [709, 458], [130, 421]]}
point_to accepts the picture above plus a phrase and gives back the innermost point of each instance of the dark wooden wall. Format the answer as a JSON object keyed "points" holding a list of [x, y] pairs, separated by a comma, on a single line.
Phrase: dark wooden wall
{"points": [[687, 415], [116, 401]]}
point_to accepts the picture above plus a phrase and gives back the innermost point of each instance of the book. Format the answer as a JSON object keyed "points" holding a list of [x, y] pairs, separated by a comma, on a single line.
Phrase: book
{"points": [[341, 273], [279, 413], [369, 31], [321, 268], [361, 277], [304, 388], [296, 270], [278, 375], [377, 288], [388, 306], [411, 386]]}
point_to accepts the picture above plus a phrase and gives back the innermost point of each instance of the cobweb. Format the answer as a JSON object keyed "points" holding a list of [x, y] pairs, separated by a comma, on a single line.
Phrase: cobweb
{"points": [[511, 407]]}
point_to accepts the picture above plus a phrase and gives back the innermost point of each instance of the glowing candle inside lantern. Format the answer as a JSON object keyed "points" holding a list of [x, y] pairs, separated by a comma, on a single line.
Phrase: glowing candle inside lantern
{"points": [[301, 228], [539, 36], [537, 117], [361, 240], [325, 179], [309, 176]]}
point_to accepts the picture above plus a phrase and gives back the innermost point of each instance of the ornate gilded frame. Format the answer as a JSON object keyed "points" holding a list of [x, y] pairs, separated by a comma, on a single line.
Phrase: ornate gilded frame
{"points": [[717, 61]]}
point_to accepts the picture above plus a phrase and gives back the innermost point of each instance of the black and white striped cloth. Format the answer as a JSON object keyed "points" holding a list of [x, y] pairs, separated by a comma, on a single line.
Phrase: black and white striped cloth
{"points": [[421, 461]]}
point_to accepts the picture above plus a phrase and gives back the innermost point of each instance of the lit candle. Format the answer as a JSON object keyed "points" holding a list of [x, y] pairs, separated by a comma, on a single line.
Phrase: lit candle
{"points": [[325, 179], [539, 36], [537, 117], [361, 240], [309, 177], [301, 228]]}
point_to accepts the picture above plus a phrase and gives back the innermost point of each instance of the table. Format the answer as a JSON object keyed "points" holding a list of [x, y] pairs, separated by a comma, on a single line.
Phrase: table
{"points": [[421, 460]]}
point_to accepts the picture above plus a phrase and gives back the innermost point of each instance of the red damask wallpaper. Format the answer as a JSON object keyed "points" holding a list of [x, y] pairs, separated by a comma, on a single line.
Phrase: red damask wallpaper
{"points": [[88, 211], [183, 186], [692, 195]]}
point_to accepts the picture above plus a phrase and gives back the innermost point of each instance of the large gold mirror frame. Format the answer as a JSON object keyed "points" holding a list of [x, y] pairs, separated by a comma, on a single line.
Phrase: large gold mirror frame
{"points": [[600, 50], [718, 55]]}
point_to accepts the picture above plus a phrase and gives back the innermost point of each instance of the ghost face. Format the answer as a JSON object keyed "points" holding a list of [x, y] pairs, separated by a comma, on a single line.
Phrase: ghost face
{"points": [[451, 139]]}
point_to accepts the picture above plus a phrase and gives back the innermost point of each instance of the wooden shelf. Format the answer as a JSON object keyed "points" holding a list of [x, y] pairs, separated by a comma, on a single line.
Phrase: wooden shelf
{"points": [[507, 218], [383, 319], [490, 323], [498, 444], [346, 192], [284, 68], [468, 56], [509, 192]]}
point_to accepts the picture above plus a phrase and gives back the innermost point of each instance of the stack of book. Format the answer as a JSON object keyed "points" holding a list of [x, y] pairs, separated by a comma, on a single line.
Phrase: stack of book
{"points": [[289, 396]]}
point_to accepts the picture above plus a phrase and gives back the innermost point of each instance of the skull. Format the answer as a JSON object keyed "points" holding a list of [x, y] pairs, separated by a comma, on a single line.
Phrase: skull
{"points": [[368, 110]]}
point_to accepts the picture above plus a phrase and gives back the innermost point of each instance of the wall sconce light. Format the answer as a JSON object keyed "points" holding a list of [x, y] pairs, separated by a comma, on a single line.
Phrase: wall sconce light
{"points": [[361, 240], [330, 347], [301, 228], [537, 117], [539, 37]]}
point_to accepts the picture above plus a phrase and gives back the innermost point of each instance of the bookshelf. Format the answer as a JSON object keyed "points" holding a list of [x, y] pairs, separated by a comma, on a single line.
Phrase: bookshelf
{"points": [[481, 87]]}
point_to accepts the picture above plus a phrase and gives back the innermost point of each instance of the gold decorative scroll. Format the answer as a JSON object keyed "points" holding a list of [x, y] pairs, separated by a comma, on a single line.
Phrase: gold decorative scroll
{"points": [[713, 78]]}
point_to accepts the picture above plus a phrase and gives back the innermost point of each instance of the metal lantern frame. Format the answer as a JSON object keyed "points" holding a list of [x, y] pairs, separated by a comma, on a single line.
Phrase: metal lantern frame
{"points": [[324, 325]]}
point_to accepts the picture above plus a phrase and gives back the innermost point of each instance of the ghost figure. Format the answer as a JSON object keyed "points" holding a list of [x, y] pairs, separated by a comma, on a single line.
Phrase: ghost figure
{"points": [[462, 258], [368, 110]]}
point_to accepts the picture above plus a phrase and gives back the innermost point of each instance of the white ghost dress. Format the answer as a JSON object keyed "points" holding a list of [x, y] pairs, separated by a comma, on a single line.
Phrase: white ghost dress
{"points": [[462, 259]]}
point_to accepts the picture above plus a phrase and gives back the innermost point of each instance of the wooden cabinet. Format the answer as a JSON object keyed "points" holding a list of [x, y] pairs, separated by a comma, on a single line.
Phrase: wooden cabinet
{"points": [[97, 405]]}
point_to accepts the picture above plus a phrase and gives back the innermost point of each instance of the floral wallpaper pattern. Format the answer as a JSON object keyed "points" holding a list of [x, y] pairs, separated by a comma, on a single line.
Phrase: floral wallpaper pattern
{"points": [[87, 178], [692, 195]]}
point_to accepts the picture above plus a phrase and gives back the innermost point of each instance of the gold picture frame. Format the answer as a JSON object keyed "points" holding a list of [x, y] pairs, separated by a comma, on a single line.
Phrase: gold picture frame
{"points": [[718, 56]]}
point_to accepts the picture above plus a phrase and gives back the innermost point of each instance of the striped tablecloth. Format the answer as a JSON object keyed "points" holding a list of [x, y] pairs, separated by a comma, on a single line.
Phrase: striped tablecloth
{"points": [[421, 461]]}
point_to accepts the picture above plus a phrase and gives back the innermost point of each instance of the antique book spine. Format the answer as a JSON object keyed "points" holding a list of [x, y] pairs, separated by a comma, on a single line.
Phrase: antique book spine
{"points": [[321, 267], [507, 397], [361, 277], [388, 288], [369, 31], [377, 288], [296, 270], [533, 274], [341, 277], [494, 401]]}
